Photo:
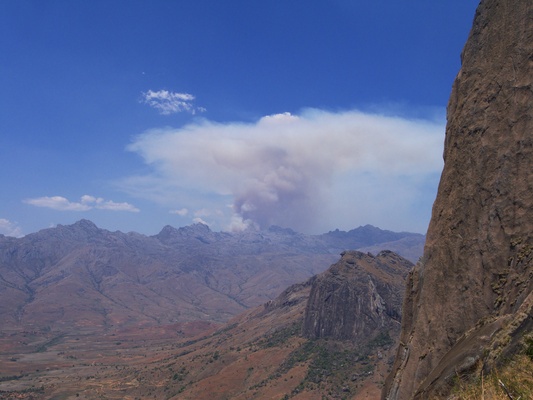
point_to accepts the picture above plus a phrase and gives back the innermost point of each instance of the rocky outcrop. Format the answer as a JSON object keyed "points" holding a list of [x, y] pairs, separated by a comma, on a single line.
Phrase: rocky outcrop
{"points": [[469, 300], [349, 318], [357, 298]]}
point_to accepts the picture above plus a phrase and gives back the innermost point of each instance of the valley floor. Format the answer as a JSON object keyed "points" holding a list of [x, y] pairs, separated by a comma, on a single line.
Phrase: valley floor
{"points": [[195, 361]]}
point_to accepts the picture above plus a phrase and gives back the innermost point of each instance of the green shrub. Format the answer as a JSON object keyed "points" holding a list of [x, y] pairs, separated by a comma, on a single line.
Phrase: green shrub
{"points": [[529, 347]]}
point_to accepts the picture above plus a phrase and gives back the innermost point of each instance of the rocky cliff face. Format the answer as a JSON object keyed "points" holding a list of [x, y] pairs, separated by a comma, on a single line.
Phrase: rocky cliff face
{"points": [[357, 298], [469, 300]]}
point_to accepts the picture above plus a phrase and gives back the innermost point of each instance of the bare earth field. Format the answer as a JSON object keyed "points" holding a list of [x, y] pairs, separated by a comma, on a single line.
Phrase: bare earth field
{"points": [[45, 365], [258, 355]]}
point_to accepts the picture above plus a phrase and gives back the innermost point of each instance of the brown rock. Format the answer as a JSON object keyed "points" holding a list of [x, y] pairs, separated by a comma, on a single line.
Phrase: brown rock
{"points": [[357, 298], [469, 299]]}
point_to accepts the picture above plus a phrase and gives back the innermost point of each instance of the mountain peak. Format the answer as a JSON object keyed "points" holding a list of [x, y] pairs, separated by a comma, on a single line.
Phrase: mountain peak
{"points": [[357, 298], [279, 229], [85, 224], [167, 231], [83, 227]]}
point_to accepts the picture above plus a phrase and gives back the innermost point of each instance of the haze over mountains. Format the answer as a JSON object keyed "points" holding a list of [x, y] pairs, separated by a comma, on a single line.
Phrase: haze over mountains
{"points": [[71, 294], [93, 279], [333, 335]]}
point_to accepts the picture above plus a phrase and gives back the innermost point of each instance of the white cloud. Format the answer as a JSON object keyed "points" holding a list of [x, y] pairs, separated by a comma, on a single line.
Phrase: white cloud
{"points": [[203, 212], [309, 172], [9, 228], [170, 102], [86, 203], [112, 206], [181, 212], [199, 220], [58, 203], [238, 224], [90, 199]]}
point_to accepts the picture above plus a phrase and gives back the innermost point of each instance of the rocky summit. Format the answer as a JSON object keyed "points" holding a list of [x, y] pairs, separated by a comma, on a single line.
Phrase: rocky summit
{"points": [[469, 300], [357, 298]]}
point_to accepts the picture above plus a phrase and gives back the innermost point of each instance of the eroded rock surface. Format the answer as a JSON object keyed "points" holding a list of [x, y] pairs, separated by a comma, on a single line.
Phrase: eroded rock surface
{"points": [[357, 298], [469, 300]]}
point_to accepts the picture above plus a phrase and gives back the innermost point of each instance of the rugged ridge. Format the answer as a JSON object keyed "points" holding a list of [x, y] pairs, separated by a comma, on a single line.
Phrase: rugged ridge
{"points": [[469, 300], [357, 298], [81, 277]]}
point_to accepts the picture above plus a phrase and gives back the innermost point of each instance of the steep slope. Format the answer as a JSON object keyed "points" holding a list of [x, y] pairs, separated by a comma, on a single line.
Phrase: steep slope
{"points": [[284, 354], [273, 351], [357, 298], [469, 300]]}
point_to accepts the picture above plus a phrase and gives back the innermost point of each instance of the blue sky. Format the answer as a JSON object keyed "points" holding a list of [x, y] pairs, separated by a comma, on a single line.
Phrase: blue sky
{"points": [[314, 115]]}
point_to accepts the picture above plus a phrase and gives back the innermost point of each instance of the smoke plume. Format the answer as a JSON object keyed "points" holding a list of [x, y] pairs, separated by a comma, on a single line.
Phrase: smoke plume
{"points": [[306, 172]]}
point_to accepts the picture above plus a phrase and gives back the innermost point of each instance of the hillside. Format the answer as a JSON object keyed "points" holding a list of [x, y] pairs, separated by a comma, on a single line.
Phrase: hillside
{"points": [[266, 352]]}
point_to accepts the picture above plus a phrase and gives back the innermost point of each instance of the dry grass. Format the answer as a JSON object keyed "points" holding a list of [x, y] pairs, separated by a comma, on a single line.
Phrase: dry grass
{"points": [[513, 381]]}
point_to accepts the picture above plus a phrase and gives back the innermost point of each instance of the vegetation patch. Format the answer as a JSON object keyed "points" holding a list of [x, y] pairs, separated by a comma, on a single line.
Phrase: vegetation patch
{"points": [[512, 381], [13, 394], [332, 364], [529, 347], [180, 375], [52, 342], [10, 378], [333, 367], [279, 337], [383, 339]]}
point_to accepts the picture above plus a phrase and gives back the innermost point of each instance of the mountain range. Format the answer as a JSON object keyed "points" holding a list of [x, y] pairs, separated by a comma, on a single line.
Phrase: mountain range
{"points": [[89, 279]]}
